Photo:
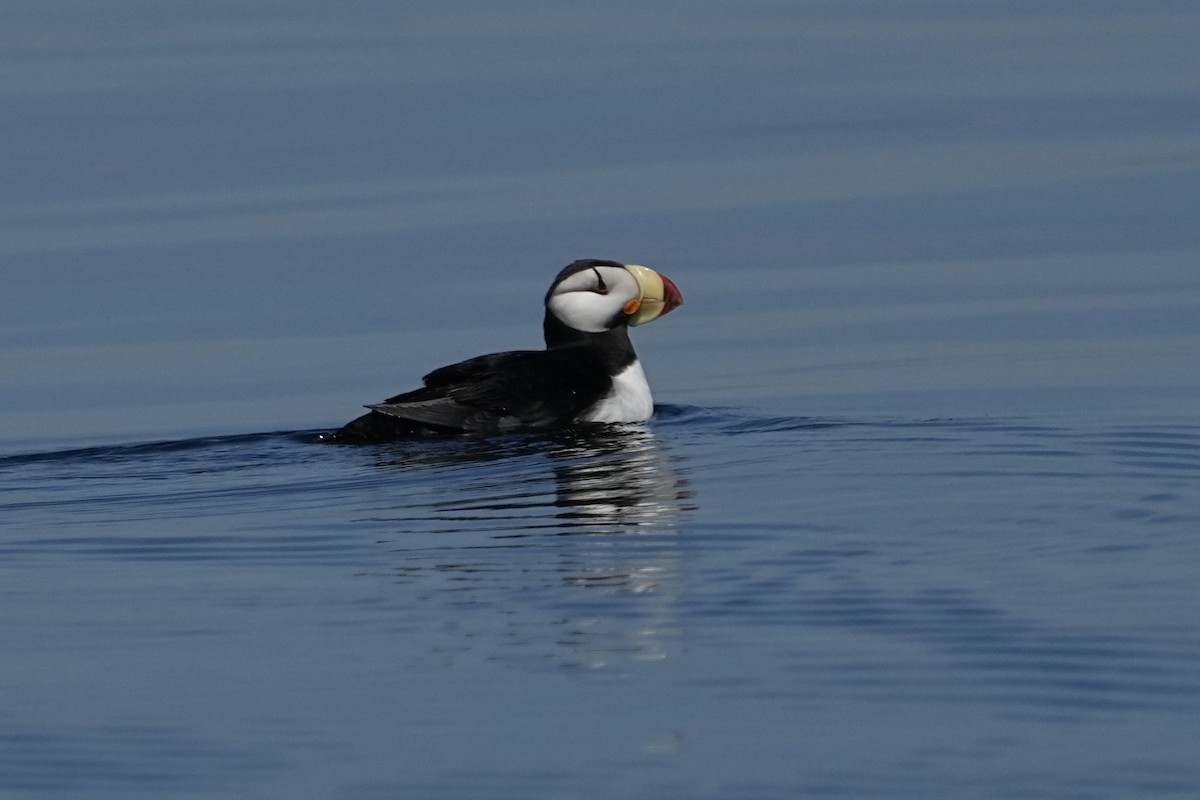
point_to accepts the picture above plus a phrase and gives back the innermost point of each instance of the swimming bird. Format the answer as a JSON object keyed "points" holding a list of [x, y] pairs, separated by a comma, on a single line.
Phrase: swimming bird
{"points": [[587, 373]]}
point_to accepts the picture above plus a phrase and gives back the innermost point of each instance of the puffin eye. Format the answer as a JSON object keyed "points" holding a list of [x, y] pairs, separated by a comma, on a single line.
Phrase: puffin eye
{"points": [[601, 286]]}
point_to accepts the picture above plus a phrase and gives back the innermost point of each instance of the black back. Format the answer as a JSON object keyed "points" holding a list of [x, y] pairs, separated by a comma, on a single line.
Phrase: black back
{"points": [[500, 391]]}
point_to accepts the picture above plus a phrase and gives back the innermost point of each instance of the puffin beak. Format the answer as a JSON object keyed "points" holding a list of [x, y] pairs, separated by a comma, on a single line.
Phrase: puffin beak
{"points": [[658, 295]]}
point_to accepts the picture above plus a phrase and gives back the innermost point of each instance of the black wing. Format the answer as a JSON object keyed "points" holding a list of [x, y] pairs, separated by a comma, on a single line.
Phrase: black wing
{"points": [[533, 388]]}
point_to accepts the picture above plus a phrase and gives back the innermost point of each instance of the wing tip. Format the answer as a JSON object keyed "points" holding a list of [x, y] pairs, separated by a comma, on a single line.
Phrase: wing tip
{"points": [[383, 408]]}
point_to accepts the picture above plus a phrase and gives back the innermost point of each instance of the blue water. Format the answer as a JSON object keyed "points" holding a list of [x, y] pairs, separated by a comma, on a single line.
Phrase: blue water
{"points": [[917, 516], [717, 604]]}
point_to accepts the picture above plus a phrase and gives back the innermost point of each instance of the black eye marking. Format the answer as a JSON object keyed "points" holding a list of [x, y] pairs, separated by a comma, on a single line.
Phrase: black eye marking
{"points": [[601, 287]]}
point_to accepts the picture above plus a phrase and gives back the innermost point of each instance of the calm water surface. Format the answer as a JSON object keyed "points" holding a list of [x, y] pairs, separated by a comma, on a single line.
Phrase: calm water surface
{"points": [[917, 516], [717, 604]]}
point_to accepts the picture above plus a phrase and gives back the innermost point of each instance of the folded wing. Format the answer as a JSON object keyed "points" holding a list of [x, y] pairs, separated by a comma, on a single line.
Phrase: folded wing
{"points": [[524, 388]]}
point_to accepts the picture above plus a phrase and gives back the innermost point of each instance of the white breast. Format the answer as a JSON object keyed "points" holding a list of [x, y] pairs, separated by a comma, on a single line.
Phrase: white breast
{"points": [[628, 401]]}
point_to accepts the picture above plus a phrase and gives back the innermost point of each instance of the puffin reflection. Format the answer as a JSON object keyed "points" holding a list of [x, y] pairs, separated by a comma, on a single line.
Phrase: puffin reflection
{"points": [[578, 562], [616, 479], [612, 481]]}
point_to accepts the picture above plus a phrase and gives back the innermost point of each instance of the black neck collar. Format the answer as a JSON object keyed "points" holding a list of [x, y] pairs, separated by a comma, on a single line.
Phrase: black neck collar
{"points": [[613, 345]]}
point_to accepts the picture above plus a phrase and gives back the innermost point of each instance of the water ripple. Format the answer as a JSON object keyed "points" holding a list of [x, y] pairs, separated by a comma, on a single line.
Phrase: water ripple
{"points": [[593, 544]]}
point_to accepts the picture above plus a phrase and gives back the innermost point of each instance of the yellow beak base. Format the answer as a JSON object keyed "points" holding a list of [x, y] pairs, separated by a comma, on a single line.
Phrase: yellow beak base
{"points": [[658, 295]]}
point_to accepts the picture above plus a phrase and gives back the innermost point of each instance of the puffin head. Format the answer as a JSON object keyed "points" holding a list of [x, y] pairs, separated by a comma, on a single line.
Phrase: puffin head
{"points": [[595, 296]]}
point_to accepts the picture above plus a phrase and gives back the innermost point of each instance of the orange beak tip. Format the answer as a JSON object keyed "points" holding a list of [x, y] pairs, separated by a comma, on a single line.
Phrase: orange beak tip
{"points": [[672, 298]]}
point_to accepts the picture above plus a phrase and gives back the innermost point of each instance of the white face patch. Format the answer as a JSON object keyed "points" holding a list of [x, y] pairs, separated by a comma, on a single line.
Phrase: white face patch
{"points": [[592, 298], [629, 400]]}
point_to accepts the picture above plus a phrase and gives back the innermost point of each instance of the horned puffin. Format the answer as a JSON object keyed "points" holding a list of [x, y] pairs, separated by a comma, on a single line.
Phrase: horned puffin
{"points": [[587, 373]]}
